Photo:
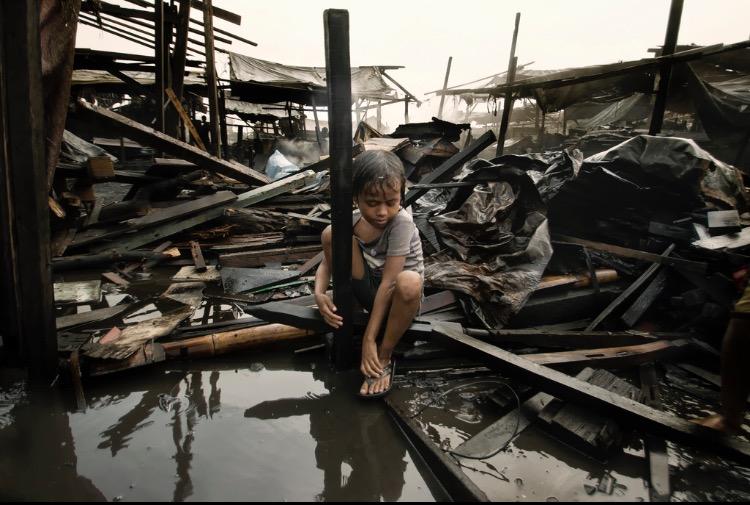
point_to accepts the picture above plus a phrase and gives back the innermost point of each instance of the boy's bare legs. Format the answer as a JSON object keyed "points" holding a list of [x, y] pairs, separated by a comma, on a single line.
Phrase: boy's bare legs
{"points": [[735, 377], [407, 294]]}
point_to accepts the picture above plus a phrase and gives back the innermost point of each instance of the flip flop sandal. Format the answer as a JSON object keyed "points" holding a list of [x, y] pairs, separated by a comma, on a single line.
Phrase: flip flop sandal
{"points": [[390, 369]]}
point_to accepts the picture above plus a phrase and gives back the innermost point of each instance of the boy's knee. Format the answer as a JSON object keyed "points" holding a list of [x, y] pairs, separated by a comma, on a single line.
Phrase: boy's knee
{"points": [[409, 286], [325, 237]]}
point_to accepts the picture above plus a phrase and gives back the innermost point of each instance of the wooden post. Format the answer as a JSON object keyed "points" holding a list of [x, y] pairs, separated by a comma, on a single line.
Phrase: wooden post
{"points": [[28, 322], [338, 76], [223, 124], [380, 115], [159, 64], [178, 67], [508, 101], [213, 99], [317, 123], [670, 42], [406, 110], [445, 87]]}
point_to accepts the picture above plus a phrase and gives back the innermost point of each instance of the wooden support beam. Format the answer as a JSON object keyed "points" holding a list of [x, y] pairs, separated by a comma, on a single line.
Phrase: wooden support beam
{"points": [[446, 169], [445, 86], [28, 322], [338, 77], [640, 281], [177, 63], [643, 302], [161, 58], [508, 100], [213, 98], [670, 42], [571, 389], [185, 119], [216, 11], [147, 136]]}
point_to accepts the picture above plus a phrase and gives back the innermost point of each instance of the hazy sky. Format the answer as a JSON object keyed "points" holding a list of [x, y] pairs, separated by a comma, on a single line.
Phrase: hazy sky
{"points": [[421, 34]]}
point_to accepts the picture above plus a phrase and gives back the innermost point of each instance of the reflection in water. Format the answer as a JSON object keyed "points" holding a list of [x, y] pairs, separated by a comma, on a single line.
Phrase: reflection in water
{"points": [[350, 433], [39, 454]]}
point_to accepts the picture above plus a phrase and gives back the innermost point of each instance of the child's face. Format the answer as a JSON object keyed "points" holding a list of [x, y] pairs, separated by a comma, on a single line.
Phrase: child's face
{"points": [[379, 204]]}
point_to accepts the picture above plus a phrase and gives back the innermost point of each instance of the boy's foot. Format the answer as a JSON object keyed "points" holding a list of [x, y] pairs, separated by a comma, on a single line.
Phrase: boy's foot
{"points": [[718, 422], [375, 387]]}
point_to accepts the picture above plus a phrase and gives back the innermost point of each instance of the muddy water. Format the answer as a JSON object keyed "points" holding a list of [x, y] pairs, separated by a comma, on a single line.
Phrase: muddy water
{"points": [[270, 426]]}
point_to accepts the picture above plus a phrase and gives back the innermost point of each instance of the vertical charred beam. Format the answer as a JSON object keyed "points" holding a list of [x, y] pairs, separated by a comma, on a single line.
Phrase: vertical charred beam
{"points": [[159, 63], [670, 42], [178, 66], [445, 87], [24, 198], [508, 100], [338, 75], [213, 99]]}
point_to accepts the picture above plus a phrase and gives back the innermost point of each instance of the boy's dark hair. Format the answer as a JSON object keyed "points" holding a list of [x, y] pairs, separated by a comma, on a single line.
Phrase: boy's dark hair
{"points": [[377, 169]]}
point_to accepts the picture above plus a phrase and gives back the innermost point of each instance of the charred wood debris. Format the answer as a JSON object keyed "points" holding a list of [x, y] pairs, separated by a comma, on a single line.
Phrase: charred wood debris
{"points": [[626, 258]]}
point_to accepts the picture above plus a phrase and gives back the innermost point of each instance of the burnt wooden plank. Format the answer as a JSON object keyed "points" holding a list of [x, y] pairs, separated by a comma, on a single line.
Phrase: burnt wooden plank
{"points": [[91, 316], [612, 357], [645, 300], [570, 339], [154, 233], [239, 280], [656, 448], [115, 279], [311, 263], [449, 166], [195, 250], [162, 142], [438, 301], [692, 266], [644, 277], [182, 210], [628, 411], [260, 258]]}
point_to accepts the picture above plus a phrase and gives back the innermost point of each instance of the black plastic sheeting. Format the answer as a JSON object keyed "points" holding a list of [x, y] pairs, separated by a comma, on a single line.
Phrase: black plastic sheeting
{"points": [[496, 235], [496, 241]]}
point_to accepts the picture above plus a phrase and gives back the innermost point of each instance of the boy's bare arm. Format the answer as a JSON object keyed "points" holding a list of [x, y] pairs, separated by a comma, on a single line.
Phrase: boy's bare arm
{"points": [[325, 304]]}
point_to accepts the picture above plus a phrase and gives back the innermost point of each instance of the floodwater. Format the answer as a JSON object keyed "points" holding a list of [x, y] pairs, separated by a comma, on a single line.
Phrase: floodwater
{"points": [[268, 426]]}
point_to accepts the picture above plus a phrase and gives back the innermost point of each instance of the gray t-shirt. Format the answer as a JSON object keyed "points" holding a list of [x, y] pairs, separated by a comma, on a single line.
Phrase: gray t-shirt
{"points": [[399, 238]]}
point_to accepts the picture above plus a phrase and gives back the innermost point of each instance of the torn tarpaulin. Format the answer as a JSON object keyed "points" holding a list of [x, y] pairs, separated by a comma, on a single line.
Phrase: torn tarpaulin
{"points": [[497, 241]]}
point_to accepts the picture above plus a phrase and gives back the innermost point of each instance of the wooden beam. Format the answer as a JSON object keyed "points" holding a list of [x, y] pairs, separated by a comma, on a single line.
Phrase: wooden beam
{"points": [[177, 63], [185, 119], [147, 136], [508, 100], [445, 86], [656, 448], [670, 42], [644, 301], [568, 339], [213, 99], [216, 11], [141, 238], [571, 389], [691, 266], [161, 57], [644, 278], [339, 82], [25, 192], [195, 250], [448, 167], [612, 357]]}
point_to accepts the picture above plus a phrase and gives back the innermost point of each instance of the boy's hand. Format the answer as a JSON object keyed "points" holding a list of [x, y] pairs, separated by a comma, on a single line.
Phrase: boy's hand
{"points": [[328, 310], [370, 366]]}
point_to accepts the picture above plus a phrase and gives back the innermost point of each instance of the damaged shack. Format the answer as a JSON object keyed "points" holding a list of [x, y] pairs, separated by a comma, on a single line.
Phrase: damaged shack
{"points": [[160, 337]]}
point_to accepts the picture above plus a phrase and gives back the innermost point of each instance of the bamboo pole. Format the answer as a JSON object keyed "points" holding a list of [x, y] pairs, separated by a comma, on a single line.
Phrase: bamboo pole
{"points": [[230, 341]]}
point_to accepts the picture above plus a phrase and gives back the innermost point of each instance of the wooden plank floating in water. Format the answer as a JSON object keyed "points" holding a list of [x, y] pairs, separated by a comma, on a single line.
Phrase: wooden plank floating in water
{"points": [[571, 389], [656, 448]]}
